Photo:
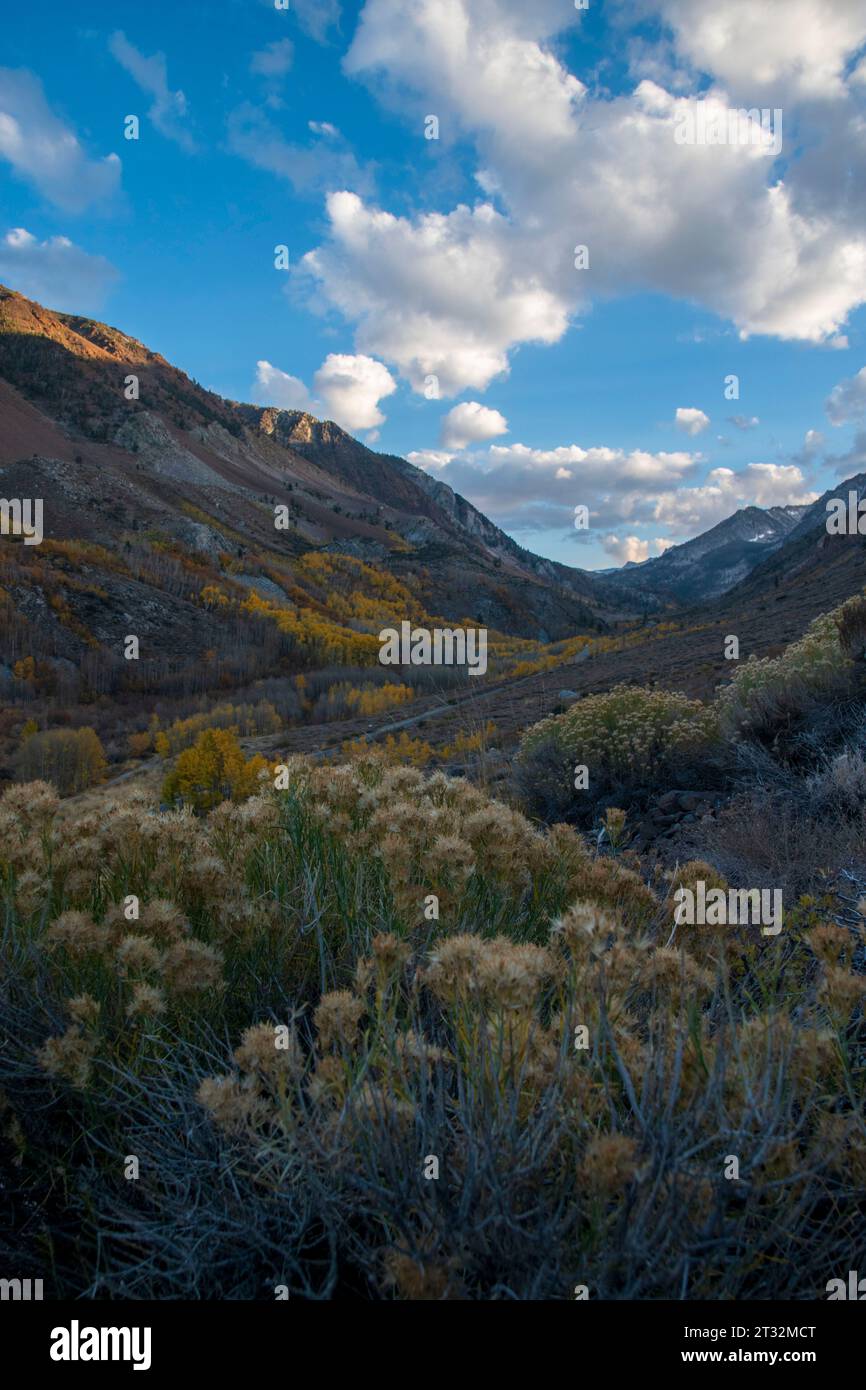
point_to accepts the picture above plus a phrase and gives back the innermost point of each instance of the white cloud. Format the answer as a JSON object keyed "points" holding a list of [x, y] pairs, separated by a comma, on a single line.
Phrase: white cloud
{"points": [[484, 59], [744, 422], [438, 295], [429, 459], [324, 128], [781, 47], [847, 401], [536, 489], [532, 490], [346, 389], [690, 420], [274, 387], [168, 110], [662, 543], [46, 152], [689, 511], [630, 548], [774, 485], [352, 387], [274, 59], [55, 272], [453, 293], [471, 423]]}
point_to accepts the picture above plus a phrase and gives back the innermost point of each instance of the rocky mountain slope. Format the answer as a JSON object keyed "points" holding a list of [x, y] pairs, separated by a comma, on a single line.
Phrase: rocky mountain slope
{"points": [[712, 563], [107, 465]]}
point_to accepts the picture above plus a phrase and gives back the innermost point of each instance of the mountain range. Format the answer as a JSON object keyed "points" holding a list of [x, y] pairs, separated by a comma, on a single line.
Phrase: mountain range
{"points": [[155, 488]]}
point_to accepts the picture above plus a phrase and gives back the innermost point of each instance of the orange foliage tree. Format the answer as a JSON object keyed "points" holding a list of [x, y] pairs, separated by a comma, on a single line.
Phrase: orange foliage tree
{"points": [[211, 771]]}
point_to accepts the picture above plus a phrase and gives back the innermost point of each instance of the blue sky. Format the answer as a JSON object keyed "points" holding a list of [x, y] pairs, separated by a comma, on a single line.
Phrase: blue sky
{"points": [[432, 305]]}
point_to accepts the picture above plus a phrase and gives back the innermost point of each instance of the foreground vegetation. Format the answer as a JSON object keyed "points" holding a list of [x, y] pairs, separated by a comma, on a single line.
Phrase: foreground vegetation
{"points": [[783, 717], [244, 1053]]}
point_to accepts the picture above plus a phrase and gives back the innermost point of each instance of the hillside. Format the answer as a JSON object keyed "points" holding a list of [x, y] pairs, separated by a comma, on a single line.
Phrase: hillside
{"points": [[159, 523], [179, 447]]}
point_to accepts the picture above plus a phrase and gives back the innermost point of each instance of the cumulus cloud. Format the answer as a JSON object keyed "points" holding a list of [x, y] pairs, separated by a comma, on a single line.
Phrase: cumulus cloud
{"points": [[744, 422], [352, 387], [346, 389], [453, 293], [168, 110], [56, 272], [690, 420], [525, 489], [429, 459], [532, 490], [847, 401], [689, 511], [662, 543], [799, 48], [631, 549], [471, 423], [274, 59], [41, 149], [274, 387], [437, 295]]}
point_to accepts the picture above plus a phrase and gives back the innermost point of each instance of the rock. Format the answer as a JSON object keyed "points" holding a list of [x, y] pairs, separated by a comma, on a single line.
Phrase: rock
{"points": [[568, 695], [695, 801], [685, 801]]}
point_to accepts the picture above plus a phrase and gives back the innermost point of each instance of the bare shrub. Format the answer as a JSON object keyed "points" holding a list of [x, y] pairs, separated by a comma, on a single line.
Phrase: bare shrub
{"points": [[839, 789], [778, 842]]}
